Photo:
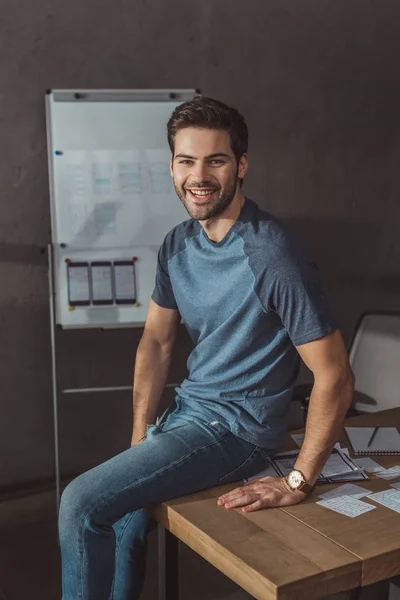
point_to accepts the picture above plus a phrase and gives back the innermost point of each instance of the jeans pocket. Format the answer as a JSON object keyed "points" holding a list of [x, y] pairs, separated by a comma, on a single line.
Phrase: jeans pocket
{"points": [[255, 462], [172, 408]]}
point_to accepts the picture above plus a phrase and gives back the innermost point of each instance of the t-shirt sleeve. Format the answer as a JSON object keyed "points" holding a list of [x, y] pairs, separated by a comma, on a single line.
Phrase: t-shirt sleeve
{"points": [[296, 295], [163, 294]]}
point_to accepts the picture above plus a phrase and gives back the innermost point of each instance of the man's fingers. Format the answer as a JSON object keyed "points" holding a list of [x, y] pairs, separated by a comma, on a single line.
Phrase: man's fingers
{"points": [[245, 497], [240, 501], [255, 506], [265, 492], [249, 496], [235, 494]]}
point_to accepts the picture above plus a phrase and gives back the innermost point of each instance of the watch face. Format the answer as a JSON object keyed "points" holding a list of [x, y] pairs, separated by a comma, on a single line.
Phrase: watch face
{"points": [[295, 479]]}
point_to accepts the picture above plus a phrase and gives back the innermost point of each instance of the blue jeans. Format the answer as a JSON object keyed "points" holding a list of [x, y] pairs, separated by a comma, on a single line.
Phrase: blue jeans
{"points": [[102, 527]]}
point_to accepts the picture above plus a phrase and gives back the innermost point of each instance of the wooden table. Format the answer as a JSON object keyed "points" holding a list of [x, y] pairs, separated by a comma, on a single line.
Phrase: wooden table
{"points": [[300, 552]]}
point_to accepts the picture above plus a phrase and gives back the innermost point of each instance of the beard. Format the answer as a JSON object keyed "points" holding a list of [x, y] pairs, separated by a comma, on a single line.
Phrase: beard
{"points": [[216, 206]]}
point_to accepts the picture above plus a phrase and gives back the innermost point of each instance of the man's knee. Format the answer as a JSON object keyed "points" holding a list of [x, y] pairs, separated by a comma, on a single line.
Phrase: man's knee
{"points": [[131, 531], [75, 501]]}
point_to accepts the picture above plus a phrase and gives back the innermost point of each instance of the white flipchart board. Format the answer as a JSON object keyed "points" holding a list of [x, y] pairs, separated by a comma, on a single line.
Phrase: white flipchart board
{"points": [[111, 192]]}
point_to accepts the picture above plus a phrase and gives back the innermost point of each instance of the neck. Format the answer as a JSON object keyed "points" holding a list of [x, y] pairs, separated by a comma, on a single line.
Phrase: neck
{"points": [[217, 227]]}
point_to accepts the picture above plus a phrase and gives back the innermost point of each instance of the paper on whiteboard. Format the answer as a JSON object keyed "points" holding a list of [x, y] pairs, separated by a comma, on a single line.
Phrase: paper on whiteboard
{"points": [[115, 198], [124, 282], [102, 282], [159, 171], [78, 283]]}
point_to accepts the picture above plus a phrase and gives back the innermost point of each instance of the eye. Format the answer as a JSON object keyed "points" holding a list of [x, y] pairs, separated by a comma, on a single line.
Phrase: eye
{"points": [[185, 161], [215, 162]]}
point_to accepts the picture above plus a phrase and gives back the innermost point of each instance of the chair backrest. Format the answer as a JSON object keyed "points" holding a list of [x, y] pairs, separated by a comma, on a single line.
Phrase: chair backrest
{"points": [[375, 360]]}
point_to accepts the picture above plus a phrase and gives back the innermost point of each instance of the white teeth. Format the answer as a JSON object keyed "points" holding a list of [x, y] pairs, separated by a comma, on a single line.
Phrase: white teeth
{"points": [[201, 194]]}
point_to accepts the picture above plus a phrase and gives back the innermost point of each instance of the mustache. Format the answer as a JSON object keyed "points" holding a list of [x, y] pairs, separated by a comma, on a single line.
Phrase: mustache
{"points": [[201, 184]]}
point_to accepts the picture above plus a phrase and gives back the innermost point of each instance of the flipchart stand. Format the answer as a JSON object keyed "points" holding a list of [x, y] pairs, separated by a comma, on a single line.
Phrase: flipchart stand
{"points": [[167, 543], [68, 391]]}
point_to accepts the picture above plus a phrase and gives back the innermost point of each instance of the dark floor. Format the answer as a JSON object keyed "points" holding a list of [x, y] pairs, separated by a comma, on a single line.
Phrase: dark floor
{"points": [[30, 564]]}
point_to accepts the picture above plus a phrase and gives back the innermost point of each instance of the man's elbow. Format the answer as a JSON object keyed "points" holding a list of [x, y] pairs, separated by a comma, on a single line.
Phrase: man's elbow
{"points": [[346, 383], [338, 381]]}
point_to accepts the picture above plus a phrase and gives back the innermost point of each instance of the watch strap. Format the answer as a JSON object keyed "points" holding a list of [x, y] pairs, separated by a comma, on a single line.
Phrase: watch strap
{"points": [[304, 486]]}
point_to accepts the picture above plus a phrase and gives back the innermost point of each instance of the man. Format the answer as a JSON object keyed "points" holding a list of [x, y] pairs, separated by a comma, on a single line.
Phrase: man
{"points": [[252, 303]]}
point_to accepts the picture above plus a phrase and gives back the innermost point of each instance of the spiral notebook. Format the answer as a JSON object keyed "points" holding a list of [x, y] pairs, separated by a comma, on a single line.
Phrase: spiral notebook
{"points": [[386, 440]]}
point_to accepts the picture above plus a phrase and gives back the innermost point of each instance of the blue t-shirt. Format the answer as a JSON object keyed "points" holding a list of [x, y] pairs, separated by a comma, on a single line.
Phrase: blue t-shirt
{"points": [[246, 301]]}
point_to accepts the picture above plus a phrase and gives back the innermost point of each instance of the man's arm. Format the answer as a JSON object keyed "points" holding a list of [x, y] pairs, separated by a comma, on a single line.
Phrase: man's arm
{"points": [[153, 359], [330, 399]]}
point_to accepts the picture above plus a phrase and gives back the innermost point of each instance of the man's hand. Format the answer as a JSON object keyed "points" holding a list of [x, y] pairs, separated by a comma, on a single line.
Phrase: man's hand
{"points": [[266, 492]]}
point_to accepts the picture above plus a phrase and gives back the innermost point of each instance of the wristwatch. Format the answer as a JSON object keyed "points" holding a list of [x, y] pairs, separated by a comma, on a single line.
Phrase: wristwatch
{"points": [[297, 481]]}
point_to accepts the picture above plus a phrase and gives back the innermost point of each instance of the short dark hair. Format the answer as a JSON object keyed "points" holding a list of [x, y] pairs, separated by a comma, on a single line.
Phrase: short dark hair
{"points": [[208, 113]]}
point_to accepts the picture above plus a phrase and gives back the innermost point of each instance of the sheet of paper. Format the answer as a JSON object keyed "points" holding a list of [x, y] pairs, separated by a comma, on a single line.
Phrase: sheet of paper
{"points": [[285, 465], [160, 176], [102, 282], [296, 452], [386, 439], [115, 198], [78, 283], [368, 464], [348, 489], [130, 176], [337, 464], [352, 476], [389, 473], [298, 438], [346, 505], [388, 498], [124, 282], [104, 218], [396, 485]]}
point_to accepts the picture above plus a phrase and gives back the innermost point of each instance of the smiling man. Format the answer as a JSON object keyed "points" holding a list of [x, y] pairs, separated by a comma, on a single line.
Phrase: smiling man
{"points": [[252, 303]]}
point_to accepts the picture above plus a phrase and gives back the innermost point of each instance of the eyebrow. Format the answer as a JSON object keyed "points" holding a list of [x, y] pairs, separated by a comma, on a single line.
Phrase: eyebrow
{"points": [[215, 155]]}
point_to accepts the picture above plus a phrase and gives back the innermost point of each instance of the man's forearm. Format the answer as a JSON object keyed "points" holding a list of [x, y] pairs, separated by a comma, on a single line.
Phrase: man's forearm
{"points": [[151, 372], [329, 403]]}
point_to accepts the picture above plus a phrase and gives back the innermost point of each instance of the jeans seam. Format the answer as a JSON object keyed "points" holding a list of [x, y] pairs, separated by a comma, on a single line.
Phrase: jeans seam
{"points": [[265, 454], [86, 516], [239, 466], [117, 547]]}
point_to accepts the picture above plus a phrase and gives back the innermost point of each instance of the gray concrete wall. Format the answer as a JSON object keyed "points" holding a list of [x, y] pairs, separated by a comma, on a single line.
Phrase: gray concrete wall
{"points": [[318, 83]]}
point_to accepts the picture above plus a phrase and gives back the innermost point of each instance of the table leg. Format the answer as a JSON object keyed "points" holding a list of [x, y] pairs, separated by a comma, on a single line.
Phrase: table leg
{"points": [[394, 588], [168, 588], [355, 594]]}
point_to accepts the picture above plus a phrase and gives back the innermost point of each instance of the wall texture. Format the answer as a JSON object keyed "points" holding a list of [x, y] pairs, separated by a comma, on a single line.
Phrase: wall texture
{"points": [[318, 83]]}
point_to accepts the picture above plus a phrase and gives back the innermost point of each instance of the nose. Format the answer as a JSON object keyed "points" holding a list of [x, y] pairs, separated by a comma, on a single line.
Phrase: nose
{"points": [[200, 172]]}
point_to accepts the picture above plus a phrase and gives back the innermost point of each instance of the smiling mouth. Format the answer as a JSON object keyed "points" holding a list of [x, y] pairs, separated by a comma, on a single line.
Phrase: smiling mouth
{"points": [[201, 195]]}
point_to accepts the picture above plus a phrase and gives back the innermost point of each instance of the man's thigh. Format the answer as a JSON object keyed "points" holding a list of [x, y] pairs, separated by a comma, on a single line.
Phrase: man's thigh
{"points": [[180, 456]]}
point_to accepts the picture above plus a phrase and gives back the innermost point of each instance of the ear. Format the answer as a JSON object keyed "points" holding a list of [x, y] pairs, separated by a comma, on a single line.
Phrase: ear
{"points": [[243, 166], [170, 165]]}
